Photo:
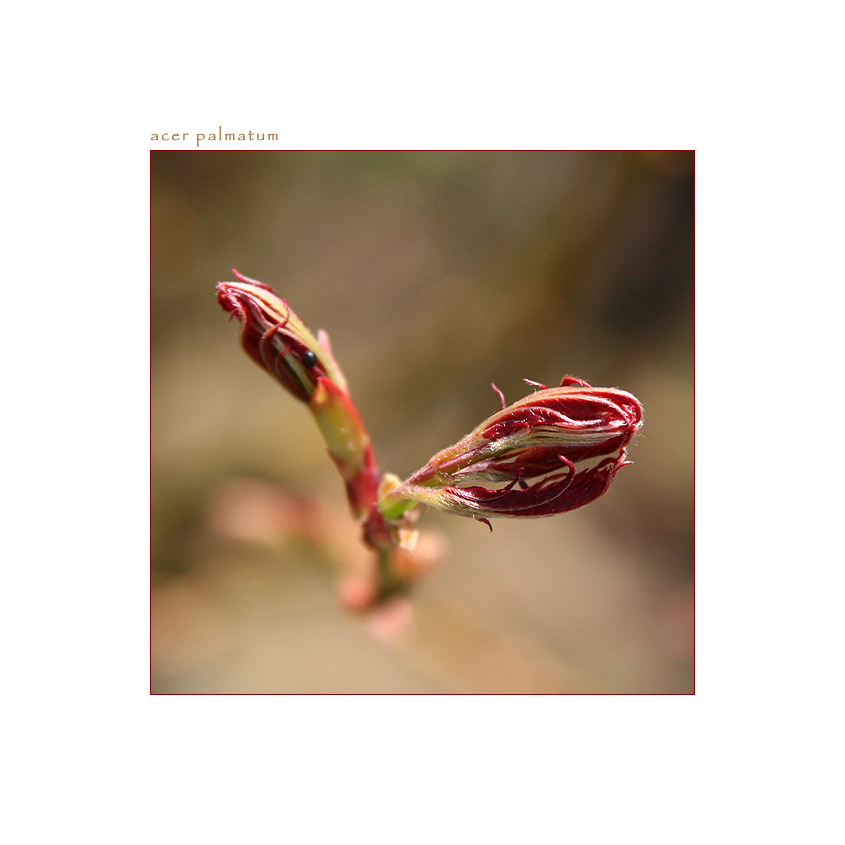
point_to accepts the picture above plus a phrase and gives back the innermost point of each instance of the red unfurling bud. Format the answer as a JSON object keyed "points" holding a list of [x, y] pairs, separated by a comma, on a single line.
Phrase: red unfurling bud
{"points": [[538, 439], [276, 339]]}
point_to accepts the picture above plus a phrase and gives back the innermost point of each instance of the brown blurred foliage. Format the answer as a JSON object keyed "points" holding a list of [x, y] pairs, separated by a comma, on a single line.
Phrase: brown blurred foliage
{"points": [[435, 273]]}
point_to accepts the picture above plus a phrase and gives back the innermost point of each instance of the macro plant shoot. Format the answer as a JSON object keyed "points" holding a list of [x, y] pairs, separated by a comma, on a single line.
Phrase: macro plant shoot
{"points": [[555, 450]]}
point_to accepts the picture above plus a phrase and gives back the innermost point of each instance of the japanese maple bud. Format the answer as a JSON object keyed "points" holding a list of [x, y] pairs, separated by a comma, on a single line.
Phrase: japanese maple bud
{"points": [[276, 339], [540, 437]]}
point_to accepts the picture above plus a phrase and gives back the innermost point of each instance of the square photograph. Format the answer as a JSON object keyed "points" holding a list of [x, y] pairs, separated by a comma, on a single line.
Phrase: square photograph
{"points": [[422, 422]]}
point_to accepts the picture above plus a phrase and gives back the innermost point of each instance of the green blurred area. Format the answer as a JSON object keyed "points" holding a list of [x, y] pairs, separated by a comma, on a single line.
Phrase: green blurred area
{"points": [[435, 274]]}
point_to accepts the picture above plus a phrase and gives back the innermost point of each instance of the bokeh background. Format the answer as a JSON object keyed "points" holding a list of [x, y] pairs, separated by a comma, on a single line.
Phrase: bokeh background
{"points": [[435, 274]]}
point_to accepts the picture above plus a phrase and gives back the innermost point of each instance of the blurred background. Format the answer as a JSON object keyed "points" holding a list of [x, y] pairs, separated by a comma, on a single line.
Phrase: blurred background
{"points": [[435, 274]]}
